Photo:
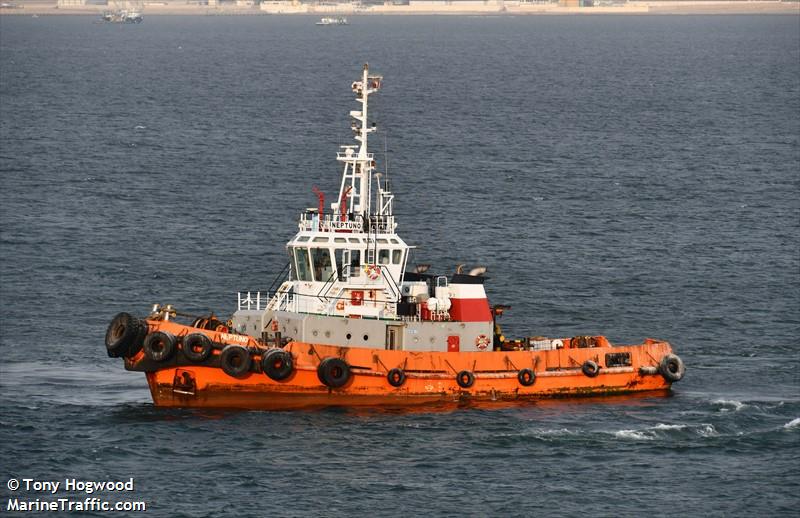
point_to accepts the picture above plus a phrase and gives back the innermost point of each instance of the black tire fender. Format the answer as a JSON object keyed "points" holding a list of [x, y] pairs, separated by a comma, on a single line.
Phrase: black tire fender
{"points": [[465, 379], [396, 377], [277, 364], [159, 346], [672, 368], [590, 368], [235, 360], [526, 377], [333, 372], [124, 335], [196, 347]]}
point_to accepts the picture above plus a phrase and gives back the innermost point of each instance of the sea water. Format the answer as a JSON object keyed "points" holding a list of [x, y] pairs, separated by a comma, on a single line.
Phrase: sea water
{"points": [[633, 176]]}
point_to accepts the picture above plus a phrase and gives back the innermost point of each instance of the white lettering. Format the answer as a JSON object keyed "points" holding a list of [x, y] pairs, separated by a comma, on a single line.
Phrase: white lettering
{"points": [[41, 485], [89, 487], [30, 505], [235, 338]]}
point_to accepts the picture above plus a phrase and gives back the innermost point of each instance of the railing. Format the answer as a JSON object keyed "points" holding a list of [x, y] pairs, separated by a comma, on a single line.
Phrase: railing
{"points": [[322, 295], [393, 287], [333, 223], [261, 301], [283, 297], [350, 154], [334, 300], [330, 223], [249, 303], [279, 279]]}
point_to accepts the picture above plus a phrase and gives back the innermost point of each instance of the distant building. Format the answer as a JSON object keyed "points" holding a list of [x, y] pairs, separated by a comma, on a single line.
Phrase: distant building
{"points": [[71, 3]]}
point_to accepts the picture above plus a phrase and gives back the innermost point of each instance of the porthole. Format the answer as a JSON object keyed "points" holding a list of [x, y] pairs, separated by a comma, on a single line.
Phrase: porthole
{"points": [[348, 336], [327, 334], [366, 337], [315, 332]]}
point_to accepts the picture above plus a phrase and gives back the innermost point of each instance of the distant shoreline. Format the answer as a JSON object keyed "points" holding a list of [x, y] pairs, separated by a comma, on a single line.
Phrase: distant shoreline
{"points": [[456, 8]]}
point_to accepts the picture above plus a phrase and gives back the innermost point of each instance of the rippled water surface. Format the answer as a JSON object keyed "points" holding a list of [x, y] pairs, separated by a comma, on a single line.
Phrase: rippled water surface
{"points": [[630, 176]]}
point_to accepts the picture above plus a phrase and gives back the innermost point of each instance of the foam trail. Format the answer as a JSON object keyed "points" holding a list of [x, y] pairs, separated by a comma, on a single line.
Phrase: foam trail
{"points": [[737, 405], [634, 434], [794, 423]]}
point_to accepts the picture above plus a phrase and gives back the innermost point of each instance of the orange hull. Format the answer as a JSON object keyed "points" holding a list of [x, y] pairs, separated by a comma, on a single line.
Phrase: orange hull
{"points": [[430, 377]]}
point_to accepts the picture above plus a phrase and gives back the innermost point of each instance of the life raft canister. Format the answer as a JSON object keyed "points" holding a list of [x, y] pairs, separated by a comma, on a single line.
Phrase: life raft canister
{"points": [[526, 377], [396, 377], [465, 379], [235, 360], [672, 368], [333, 372], [196, 347], [590, 368], [124, 335], [159, 346], [277, 364]]}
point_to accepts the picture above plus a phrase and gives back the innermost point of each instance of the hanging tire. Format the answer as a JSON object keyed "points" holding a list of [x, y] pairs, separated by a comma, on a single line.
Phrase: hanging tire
{"points": [[333, 372], [526, 377], [465, 379], [159, 346], [124, 335], [396, 377], [277, 364], [672, 368], [590, 368], [196, 347], [235, 360]]}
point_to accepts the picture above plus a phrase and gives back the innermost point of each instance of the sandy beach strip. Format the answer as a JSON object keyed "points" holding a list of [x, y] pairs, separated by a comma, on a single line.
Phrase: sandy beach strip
{"points": [[489, 8]]}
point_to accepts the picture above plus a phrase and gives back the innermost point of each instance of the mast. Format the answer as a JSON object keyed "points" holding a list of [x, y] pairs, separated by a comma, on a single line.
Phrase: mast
{"points": [[355, 191]]}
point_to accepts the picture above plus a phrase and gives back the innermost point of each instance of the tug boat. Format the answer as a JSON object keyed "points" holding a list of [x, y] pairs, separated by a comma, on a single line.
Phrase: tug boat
{"points": [[352, 325]]}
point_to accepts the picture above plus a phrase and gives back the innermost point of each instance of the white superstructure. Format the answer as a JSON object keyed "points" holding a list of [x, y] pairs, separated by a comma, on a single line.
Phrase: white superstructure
{"points": [[347, 268]]}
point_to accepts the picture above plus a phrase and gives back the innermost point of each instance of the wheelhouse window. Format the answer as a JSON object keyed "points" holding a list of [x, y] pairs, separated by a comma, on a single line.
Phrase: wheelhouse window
{"points": [[323, 268], [383, 256], [302, 265], [397, 256]]}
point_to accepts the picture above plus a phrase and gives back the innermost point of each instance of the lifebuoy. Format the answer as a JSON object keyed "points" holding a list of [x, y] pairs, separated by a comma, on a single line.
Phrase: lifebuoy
{"points": [[277, 364], [196, 347], [590, 368], [333, 372], [482, 342], [396, 377], [159, 346], [526, 377], [672, 368], [465, 379], [340, 306], [235, 360], [124, 335], [372, 271]]}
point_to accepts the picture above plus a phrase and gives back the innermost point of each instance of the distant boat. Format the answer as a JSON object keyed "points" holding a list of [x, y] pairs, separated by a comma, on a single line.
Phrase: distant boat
{"points": [[123, 16], [328, 20]]}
